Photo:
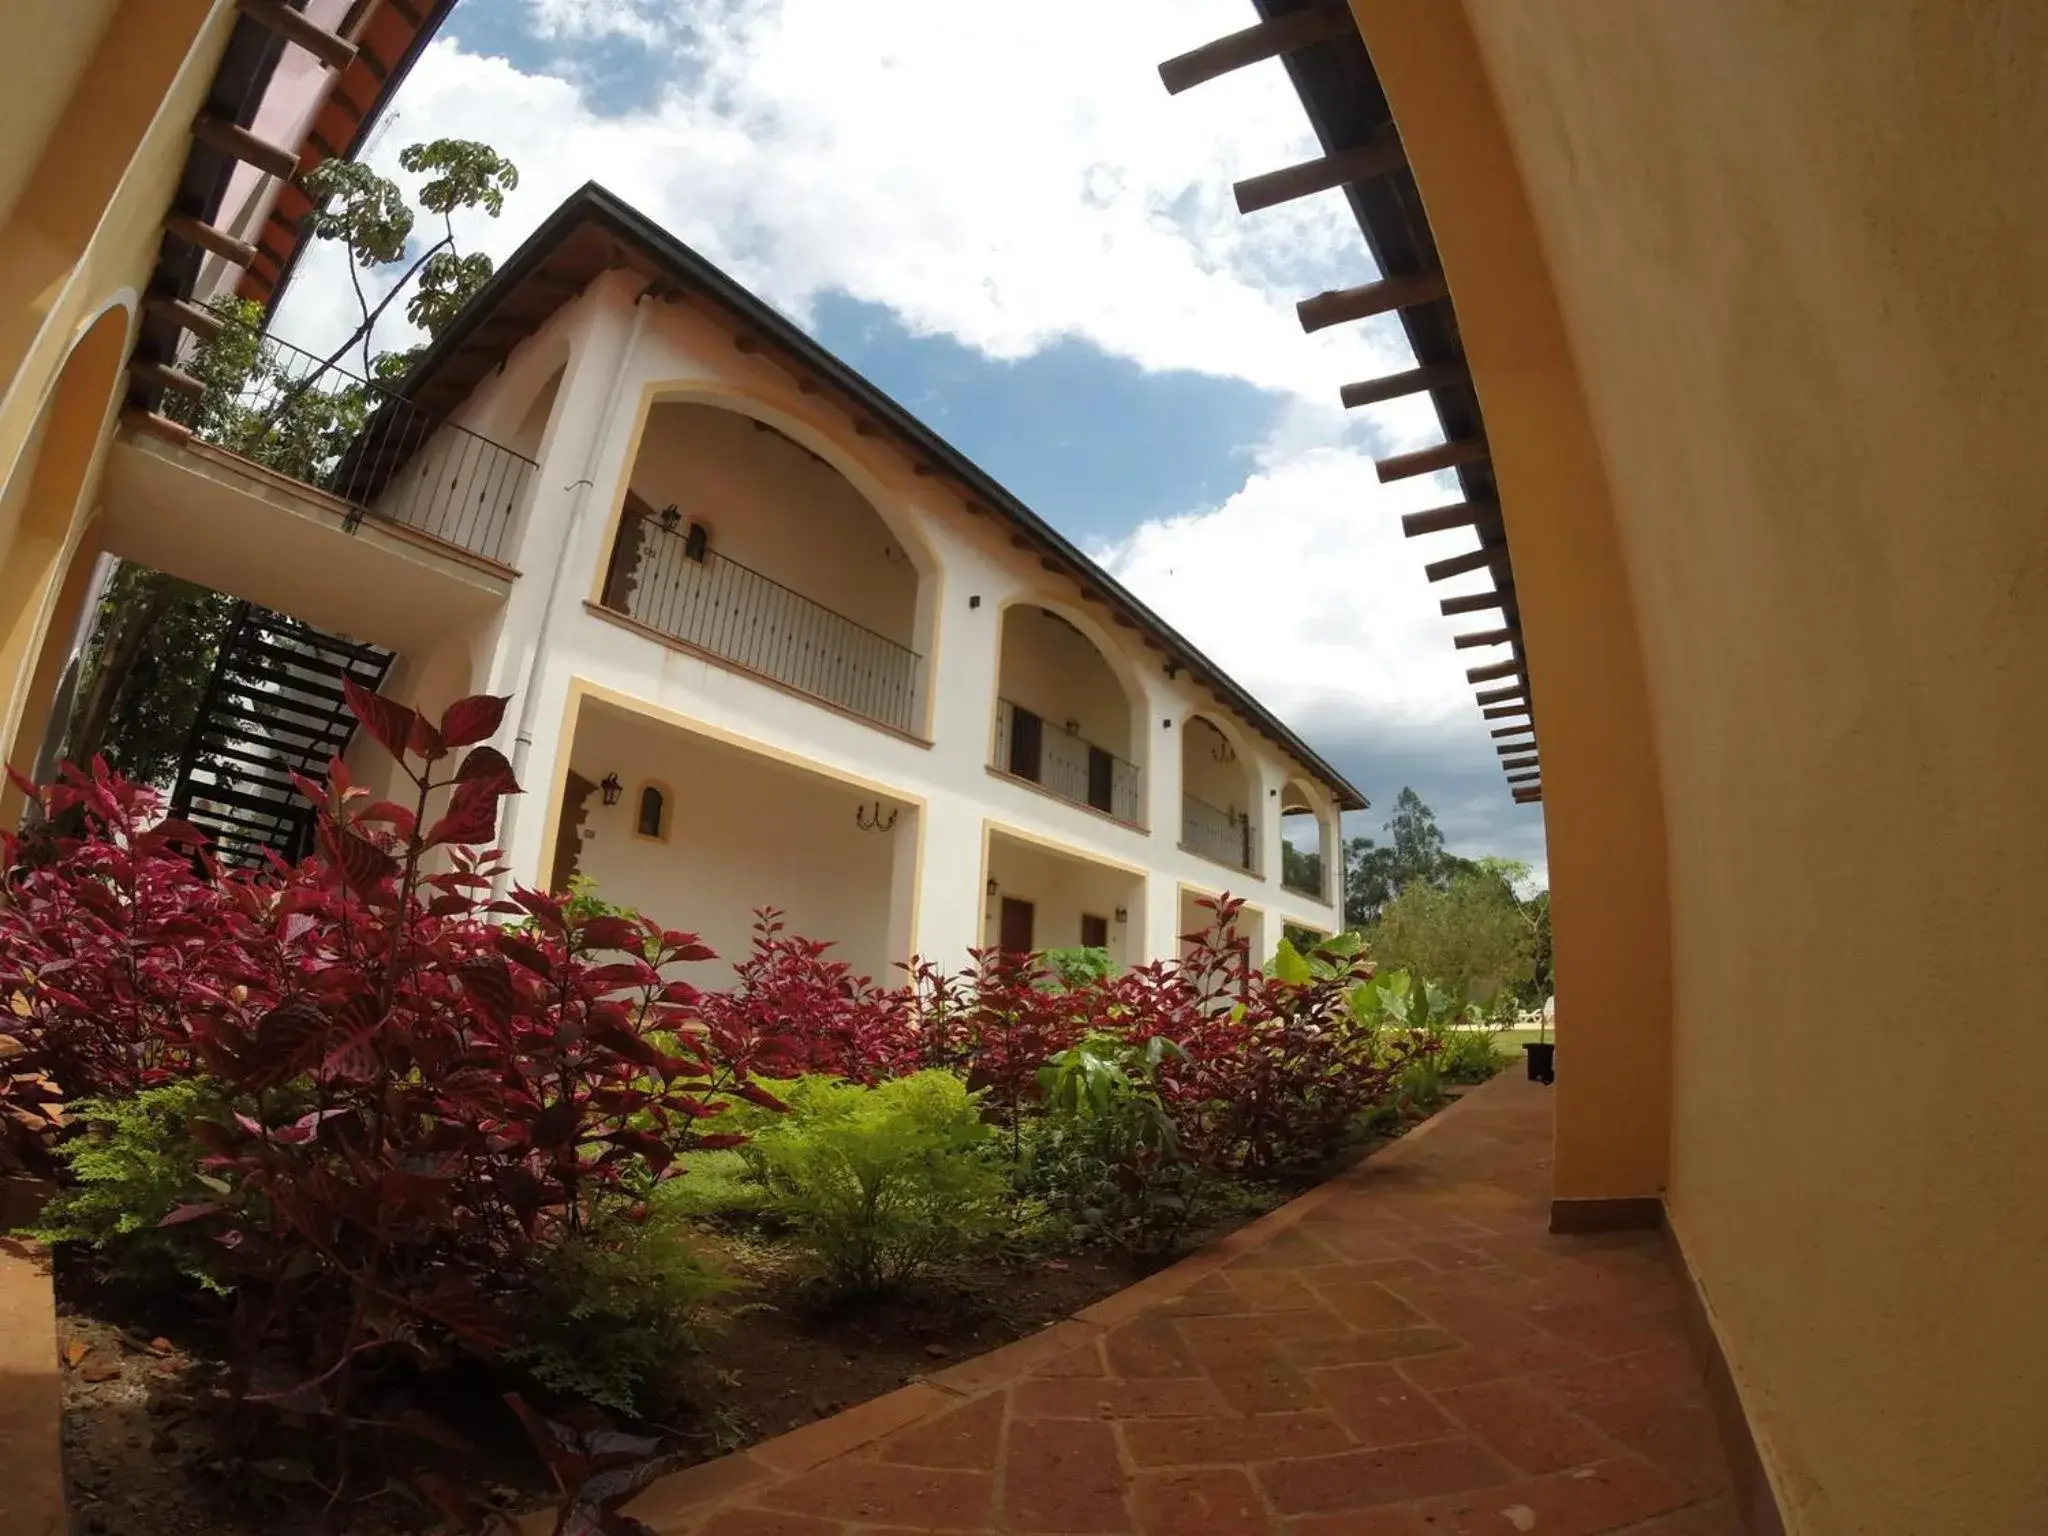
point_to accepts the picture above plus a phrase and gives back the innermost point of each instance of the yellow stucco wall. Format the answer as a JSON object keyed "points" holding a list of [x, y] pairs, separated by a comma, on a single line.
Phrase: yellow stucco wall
{"points": [[1799, 331]]}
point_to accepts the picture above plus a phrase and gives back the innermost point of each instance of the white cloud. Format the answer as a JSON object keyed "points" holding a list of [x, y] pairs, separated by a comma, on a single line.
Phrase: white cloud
{"points": [[970, 167]]}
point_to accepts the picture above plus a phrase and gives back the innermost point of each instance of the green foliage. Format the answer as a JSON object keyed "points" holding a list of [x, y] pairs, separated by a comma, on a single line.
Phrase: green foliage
{"points": [[1469, 935], [353, 204], [137, 1162], [615, 1307], [1077, 965], [715, 1186], [881, 1183], [446, 283], [464, 174], [1374, 873], [1470, 1055], [1300, 869], [1105, 1154]]}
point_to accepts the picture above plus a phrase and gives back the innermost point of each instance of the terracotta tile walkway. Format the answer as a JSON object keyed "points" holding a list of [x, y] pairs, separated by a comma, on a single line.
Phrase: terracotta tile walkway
{"points": [[1402, 1352]]}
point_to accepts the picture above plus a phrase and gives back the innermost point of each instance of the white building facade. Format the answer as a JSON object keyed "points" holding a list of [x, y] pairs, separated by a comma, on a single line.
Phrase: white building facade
{"points": [[771, 644]]}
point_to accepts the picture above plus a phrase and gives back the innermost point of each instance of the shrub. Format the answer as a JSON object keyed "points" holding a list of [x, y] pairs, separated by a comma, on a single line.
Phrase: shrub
{"points": [[417, 1098], [801, 1011], [1077, 965], [1471, 1055], [614, 1309], [881, 1183], [1106, 1154], [136, 1161]]}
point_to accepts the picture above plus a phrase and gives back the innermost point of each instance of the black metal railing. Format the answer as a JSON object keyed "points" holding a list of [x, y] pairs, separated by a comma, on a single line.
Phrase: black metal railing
{"points": [[279, 406], [1070, 766], [661, 578], [1225, 836]]}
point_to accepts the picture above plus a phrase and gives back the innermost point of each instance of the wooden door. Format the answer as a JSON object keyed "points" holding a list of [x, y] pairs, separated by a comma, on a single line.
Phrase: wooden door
{"points": [[1019, 920], [1101, 780], [1094, 931], [1026, 740]]}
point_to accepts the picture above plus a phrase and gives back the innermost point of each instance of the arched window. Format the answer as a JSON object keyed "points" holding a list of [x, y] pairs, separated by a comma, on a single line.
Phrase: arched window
{"points": [[651, 812]]}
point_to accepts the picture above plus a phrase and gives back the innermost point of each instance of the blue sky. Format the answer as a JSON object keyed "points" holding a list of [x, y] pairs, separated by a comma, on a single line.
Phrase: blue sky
{"points": [[1035, 249]]}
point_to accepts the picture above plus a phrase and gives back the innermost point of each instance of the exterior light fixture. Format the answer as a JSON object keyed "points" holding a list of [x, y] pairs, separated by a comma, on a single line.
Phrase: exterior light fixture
{"points": [[670, 515], [1123, 914], [874, 821], [611, 788]]}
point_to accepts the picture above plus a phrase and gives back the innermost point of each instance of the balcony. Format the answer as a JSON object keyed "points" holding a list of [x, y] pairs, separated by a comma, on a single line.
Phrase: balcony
{"points": [[1225, 837], [666, 581], [279, 407], [1062, 763]]}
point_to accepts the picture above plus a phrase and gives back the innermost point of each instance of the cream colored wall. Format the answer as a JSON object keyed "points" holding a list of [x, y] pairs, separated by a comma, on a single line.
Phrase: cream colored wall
{"points": [[55, 38], [1800, 275], [1061, 888], [773, 507], [746, 831], [1223, 782], [1053, 670]]}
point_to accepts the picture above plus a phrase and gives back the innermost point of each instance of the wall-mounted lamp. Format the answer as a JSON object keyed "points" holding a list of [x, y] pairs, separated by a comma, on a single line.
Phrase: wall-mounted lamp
{"points": [[991, 886], [670, 515], [874, 821], [611, 788], [1123, 914], [974, 600]]}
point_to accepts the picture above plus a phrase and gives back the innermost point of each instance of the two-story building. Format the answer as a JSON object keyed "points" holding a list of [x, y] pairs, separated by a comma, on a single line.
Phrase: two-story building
{"points": [[771, 641]]}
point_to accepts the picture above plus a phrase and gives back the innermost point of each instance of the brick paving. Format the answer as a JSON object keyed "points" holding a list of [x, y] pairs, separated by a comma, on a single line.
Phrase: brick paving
{"points": [[1405, 1351]]}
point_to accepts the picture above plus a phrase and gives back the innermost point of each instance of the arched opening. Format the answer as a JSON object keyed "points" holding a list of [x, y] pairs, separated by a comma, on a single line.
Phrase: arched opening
{"points": [[39, 514], [748, 546], [1308, 841], [1065, 720], [1218, 796], [653, 804]]}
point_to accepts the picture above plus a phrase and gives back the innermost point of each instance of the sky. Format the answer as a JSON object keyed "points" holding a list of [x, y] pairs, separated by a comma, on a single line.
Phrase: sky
{"points": [[1031, 245]]}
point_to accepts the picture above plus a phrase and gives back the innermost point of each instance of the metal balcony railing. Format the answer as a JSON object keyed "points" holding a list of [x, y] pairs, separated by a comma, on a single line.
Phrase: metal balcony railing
{"points": [[1225, 836], [277, 406], [1070, 766], [729, 610]]}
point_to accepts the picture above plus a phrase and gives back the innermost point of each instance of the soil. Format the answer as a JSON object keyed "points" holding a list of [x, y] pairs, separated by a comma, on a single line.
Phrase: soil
{"points": [[152, 1447]]}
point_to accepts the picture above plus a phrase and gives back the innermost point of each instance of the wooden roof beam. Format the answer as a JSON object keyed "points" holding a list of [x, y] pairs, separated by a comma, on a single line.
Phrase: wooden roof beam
{"points": [[162, 376], [1514, 695], [1427, 461], [336, 53], [183, 313], [1479, 637], [1362, 163], [1461, 514], [238, 253], [1267, 40], [1337, 305], [1394, 385], [238, 143], [1530, 796], [1507, 712], [1492, 670], [1499, 731], [1473, 560], [1472, 602], [1519, 762], [1511, 748]]}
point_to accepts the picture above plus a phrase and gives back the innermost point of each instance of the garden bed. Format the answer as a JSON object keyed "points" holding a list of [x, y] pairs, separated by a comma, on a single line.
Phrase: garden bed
{"points": [[151, 1447]]}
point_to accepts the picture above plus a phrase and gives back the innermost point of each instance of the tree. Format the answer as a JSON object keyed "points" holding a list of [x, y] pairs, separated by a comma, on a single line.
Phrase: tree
{"points": [[1469, 935], [1374, 874], [1299, 868]]}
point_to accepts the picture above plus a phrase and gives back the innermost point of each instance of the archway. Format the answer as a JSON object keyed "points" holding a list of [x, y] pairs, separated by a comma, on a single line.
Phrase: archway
{"points": [[1309, 845], [1066, 719], [1219, 795], [750, 546]]}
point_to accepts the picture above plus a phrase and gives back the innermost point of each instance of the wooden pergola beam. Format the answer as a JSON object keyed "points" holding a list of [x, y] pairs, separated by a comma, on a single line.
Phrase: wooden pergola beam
{"points": [[1472, 602], [1479, 637], [336, 53], [162, 376], [1362, 163], [1520, 762], [1525, 776], [1506, 712], [183, 313], [1460, 565], [1512, 748], [1427, 461], [238, 253], [1461, 514], [1514, 695], [1499, 731], [1492, 670], [1528, 796], [1394, 385], [238, 143], [1267, 40], [1336, 305]]}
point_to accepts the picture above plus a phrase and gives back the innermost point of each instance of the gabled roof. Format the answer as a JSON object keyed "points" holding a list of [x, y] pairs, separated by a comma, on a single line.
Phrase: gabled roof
{"points": [[593, 232]]}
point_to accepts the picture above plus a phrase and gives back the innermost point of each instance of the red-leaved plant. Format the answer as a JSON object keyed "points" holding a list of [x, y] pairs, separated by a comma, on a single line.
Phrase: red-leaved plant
{"points": [[417, 1095]]}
